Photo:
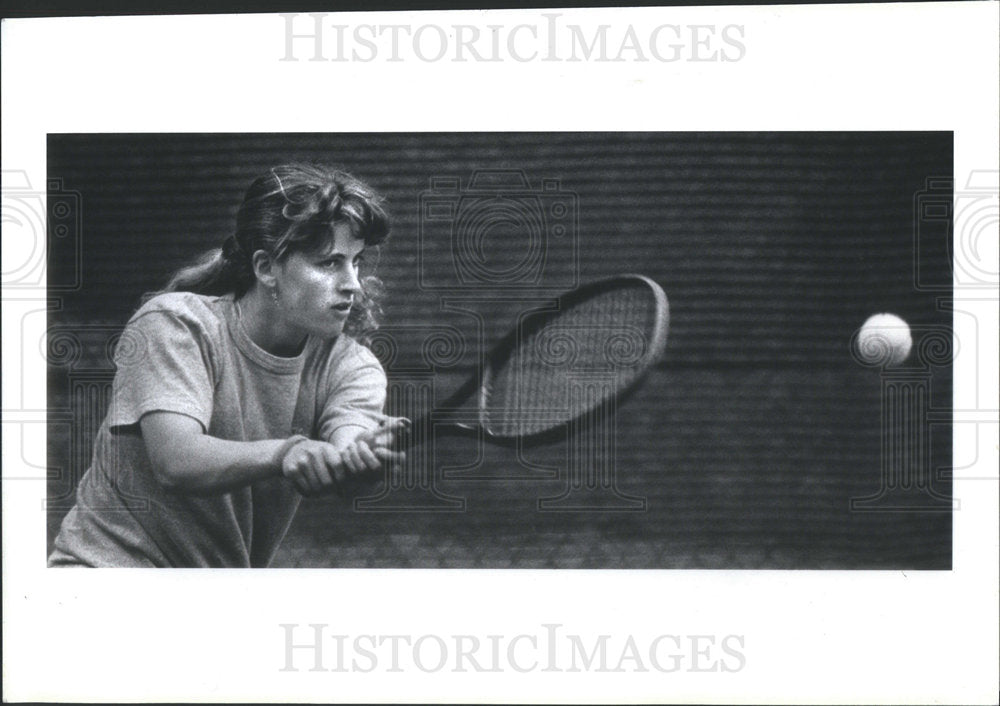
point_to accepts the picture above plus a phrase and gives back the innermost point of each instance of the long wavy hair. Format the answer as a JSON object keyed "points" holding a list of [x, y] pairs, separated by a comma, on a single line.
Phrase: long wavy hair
{"points": [[293, 208]]}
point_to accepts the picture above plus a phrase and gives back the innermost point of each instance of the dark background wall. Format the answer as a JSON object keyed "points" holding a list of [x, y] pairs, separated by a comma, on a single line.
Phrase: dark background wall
{"points": [[745, 446]]}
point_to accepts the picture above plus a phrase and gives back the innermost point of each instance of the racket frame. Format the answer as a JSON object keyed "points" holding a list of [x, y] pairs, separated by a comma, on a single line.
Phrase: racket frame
{"points": [[443, 417]]}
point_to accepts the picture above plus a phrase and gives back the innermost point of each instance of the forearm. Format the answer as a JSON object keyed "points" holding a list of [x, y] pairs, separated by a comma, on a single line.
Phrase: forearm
{"points": [[207, 465], [186, 460], [344, 435]]}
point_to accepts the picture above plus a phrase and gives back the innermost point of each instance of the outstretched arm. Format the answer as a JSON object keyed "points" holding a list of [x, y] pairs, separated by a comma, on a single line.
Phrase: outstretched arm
{"points": [[365, 453], [187, 460]]}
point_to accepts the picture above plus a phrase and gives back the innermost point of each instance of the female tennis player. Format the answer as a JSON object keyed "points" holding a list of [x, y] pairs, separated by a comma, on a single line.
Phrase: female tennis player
{"points": [[242, 387]]}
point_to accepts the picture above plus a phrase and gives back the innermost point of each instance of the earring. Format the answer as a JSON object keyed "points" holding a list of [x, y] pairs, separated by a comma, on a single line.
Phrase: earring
{"points": [[274, 295]]}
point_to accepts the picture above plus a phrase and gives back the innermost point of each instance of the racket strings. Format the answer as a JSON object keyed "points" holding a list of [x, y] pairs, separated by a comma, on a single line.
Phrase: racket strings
{"points": [[577, 358]]}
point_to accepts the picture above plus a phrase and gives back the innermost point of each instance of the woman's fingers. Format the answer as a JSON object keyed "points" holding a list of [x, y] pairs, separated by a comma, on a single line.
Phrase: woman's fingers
{"points": [[323, 472], [366, 458], [385, 434], [388, 456], [388, 422], [317, 467], [292, 466], [314, 467], [361, 459], [300, 471], [333, 462], [316, 472]]}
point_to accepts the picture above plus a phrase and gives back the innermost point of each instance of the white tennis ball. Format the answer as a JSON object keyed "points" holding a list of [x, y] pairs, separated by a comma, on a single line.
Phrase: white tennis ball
{"points": [[884, 339]]}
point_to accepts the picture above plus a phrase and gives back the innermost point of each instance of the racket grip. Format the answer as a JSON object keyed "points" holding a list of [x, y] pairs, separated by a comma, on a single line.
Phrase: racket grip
{"points": [[404, 437], [398, 430]]}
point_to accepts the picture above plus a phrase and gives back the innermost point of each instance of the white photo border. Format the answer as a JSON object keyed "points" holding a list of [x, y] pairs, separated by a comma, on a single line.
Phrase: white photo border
{"points": [[831, 637]]}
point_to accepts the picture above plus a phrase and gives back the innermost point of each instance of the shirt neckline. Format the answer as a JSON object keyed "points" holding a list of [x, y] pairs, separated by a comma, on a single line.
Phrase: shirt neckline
{"points": [[251, 350]]}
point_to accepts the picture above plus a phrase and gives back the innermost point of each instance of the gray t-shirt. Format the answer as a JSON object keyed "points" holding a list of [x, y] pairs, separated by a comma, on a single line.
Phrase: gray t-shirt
{"points": [[190, 354]]}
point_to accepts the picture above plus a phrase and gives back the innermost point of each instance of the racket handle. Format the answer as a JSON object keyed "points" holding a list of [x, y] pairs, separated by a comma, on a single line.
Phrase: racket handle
{"points": [[393, 432], [411, 433], [403, 438], [401, 434]]}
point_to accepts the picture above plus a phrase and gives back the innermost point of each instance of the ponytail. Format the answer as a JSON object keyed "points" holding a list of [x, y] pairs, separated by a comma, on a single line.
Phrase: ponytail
{"points": [[213, 273], [291, 208]]}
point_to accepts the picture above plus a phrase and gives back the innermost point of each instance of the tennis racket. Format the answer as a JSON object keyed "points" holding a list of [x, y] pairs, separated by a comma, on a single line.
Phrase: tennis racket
{"points": [[592, 347]]}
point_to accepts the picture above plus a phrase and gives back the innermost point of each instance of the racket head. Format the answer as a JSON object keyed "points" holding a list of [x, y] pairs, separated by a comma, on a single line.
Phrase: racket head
{"points": [[593, 347]]}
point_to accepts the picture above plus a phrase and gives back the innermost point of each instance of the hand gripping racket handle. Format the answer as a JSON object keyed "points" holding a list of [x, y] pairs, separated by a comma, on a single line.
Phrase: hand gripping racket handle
{"points": [[392, 432], [401, 434]]}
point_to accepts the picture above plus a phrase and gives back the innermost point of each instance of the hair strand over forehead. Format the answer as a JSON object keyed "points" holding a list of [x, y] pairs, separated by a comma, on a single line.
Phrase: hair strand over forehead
{"points": [[293, 208]]}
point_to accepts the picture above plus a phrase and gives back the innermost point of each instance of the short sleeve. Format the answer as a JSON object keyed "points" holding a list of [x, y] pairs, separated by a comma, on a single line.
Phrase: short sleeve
{"points": [[356, 393], [164, 365]]}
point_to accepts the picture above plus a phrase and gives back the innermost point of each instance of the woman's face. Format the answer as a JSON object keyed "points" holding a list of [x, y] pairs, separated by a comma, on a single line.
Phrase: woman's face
{"points": [[317, 289]]}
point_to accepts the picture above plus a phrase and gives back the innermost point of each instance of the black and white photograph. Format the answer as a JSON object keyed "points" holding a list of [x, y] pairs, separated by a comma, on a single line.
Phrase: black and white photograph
{"points": [[557, 355], [789, 369]]}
